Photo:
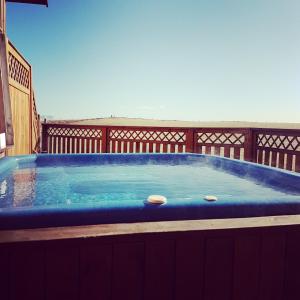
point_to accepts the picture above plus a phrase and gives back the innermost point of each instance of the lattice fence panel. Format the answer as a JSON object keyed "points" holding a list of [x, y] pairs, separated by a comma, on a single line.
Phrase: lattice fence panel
{"points": [[18, 72], [278, 150], [228, 144], [74, 140], [146, 141]]}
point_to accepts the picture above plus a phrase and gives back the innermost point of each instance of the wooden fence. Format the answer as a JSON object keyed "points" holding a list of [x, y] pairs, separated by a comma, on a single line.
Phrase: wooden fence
{"points": [[274, 147], [26, 123]]}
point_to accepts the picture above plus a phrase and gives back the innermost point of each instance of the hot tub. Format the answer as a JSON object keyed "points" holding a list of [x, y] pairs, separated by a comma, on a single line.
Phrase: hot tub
{"points": [[66, 190]]}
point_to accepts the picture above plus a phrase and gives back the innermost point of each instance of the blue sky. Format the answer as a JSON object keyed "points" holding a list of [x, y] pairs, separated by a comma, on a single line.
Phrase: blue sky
{"points": [[165, 59]]}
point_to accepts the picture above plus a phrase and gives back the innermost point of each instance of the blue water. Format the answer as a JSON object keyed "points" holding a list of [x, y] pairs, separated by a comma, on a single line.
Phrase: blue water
{"points": [[34, 185], [63, 190]]}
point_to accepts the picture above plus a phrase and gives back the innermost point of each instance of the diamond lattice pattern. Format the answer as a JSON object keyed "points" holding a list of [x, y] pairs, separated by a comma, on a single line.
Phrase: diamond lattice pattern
{"points": [[74, 132], [279, 142], [18, 72], [221, 138], [142, 135]]}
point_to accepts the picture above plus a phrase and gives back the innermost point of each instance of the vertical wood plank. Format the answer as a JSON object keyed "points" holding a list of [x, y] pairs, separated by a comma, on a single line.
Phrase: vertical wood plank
{"points": [[165, 148], [150, 147], [113, 146], [246, 268], [88, 145], [82, 145], [274, 159], [27, 273], [208, 150], [189, 268], [217, 150], [98, 146], [160, 270], [267, 157], [128, 270], [260, 156], [172, 148], [4, 272], [272, 266], [292, 273], [144, 147], [180, 148], [281, 160], [237, 153], [125, 149], [78, 147], [50, 144], [105, 138], [72, 139], [289, 162], [131, 147], [93, 145], [297, 166], [226, 151], [63, 146], [54, 143], [95, 272], [62, 272], [218, 269], [59, 144]]}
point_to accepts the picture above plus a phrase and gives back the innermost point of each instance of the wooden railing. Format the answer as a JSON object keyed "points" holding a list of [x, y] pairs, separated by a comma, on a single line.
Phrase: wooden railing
{"points": [[274, 147]]}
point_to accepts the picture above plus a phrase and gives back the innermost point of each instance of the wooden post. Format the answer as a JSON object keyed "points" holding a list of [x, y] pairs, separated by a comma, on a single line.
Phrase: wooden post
{"points": [[44, 137], [190, 140], [5, 91], [105, 139], [2, 16], [249, 145]]}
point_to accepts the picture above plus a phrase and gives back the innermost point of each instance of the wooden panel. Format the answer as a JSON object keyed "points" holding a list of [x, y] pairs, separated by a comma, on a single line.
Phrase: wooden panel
{"points": [[96, 272], [246, 268], [4, 271], [160, 270], [27, 269], [128, 270], [292, 280], [272, 266], [190, 262], [62, 272], [20, 107], [218, 269]]}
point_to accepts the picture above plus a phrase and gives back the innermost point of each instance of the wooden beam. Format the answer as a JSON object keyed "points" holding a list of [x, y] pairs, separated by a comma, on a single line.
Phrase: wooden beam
{"points": [[5, 91]]}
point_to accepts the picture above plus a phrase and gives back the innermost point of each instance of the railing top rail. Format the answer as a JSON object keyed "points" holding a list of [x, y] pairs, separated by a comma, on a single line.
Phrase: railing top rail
{"points": [[221, 129]]}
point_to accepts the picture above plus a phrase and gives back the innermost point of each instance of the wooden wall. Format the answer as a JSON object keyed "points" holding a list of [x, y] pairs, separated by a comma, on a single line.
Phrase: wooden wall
{"points": [[232, 264]]}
